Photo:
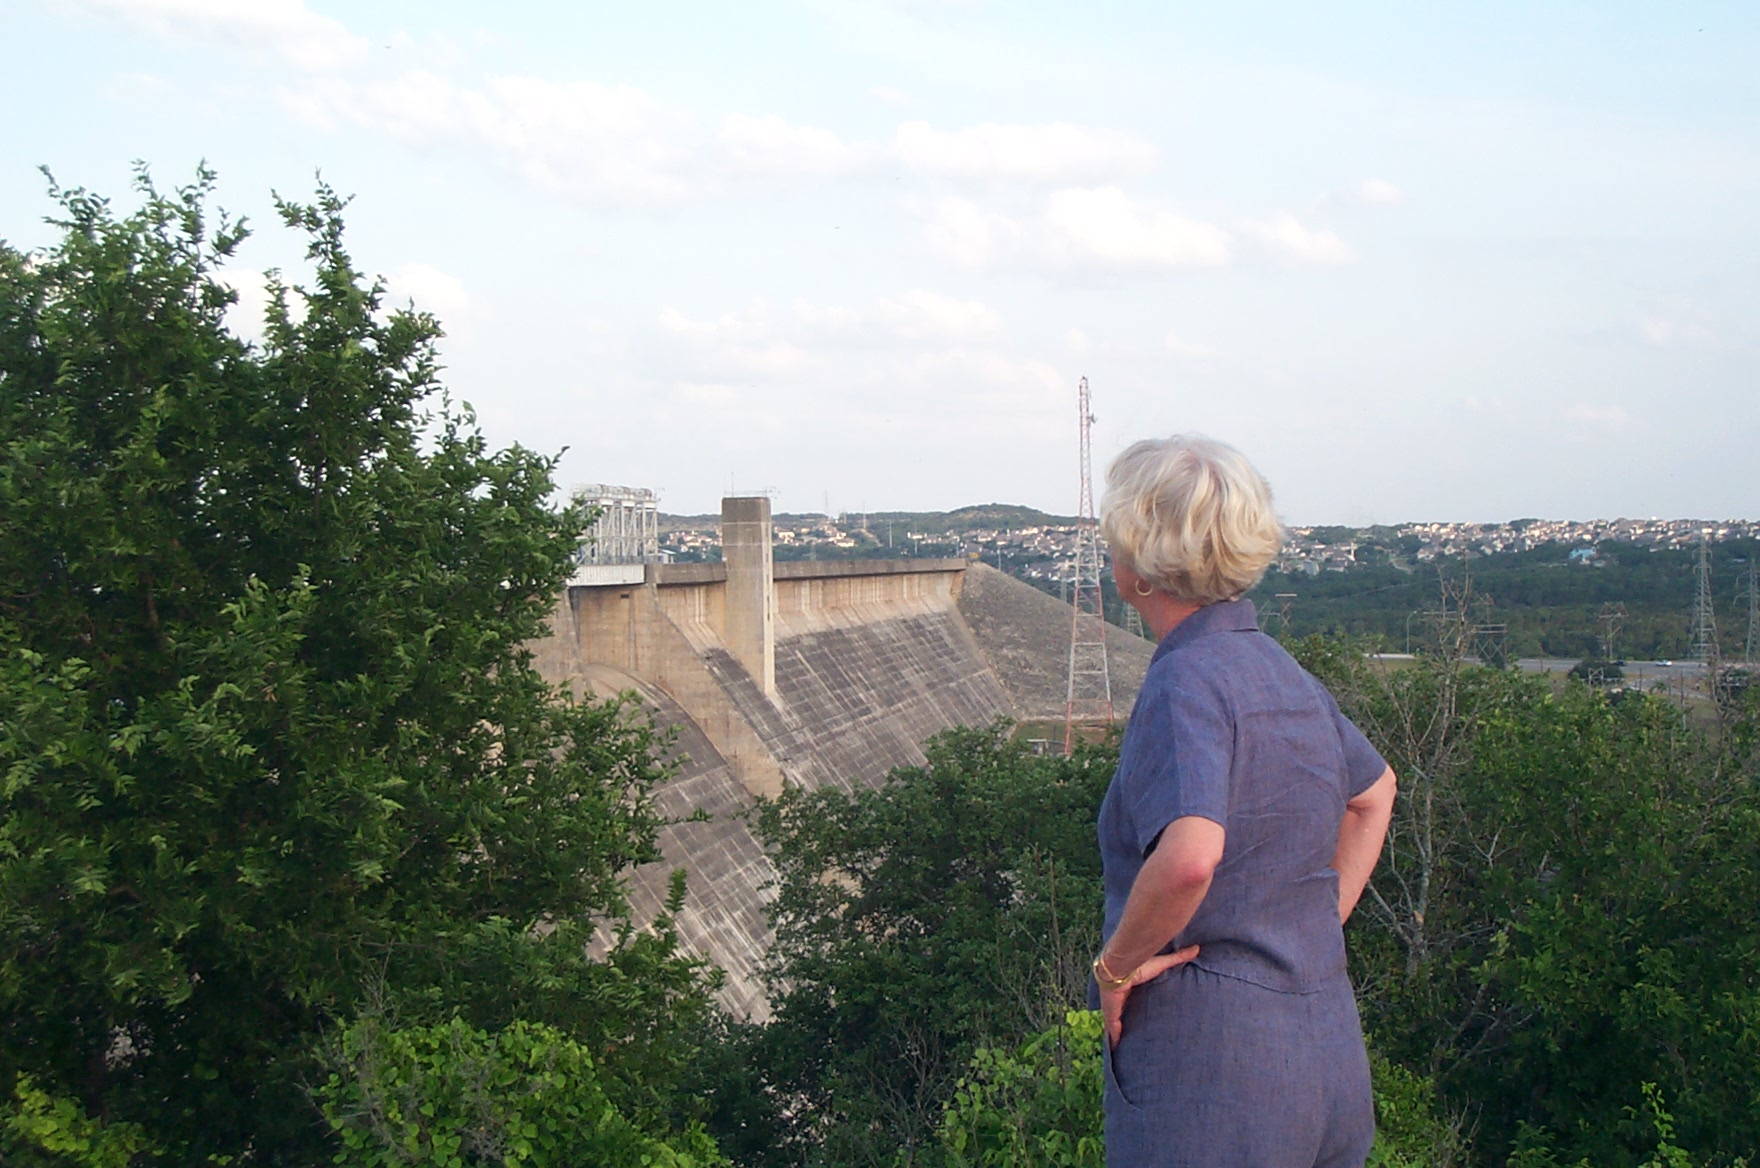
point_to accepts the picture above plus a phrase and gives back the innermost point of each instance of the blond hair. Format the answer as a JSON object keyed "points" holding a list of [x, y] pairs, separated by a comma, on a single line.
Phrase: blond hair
{"points": [[1191, 516]]}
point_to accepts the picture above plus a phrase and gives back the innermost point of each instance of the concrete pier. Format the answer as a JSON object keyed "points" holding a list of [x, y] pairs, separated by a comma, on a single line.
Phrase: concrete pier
{"points": [[751, 587]]}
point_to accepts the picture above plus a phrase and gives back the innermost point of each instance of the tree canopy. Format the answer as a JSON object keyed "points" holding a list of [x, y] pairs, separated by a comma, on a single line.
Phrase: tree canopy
{"points": [[272, 744]]}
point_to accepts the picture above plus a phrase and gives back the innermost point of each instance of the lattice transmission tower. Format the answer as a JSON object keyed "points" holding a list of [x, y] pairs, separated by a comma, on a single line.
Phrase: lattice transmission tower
{"points": [[1613, 618], [1089, 700], [1751, 652], [1133, 623], [1704, 615]]}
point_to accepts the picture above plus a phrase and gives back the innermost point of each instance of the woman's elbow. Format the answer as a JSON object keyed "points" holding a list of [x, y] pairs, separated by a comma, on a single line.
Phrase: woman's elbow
{"points": [[1190, 853], [1188, 875]]}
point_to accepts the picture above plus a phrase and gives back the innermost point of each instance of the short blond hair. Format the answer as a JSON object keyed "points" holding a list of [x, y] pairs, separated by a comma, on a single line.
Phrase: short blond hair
{"points": [[1191, 516]]}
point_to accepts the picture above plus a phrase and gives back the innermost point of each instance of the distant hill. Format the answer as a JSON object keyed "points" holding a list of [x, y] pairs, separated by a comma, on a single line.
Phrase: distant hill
{"points": [[982, 515]]}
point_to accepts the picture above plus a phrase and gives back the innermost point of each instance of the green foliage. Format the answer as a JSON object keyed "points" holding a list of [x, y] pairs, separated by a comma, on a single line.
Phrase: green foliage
{"points": [[1594, 671], [1563, 915], [1411, 1128], [452, 1095], [1564, 910], [46, 1131], [1035, 1107], [1533, 1148], [269, 734], [954, 907], [1552, 606]]}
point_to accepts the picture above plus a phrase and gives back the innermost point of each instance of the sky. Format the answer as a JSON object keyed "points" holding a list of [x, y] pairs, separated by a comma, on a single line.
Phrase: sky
{"points": [[1420, 262]]}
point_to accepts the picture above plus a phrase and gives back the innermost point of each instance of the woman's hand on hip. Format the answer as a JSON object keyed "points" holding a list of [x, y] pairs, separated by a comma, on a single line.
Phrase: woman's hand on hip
{"points": [[1112, 1001]]}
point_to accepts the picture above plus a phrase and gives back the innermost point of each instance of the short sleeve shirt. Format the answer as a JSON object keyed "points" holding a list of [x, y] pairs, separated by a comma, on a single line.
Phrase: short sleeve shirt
{"points": [[1228, 727]]}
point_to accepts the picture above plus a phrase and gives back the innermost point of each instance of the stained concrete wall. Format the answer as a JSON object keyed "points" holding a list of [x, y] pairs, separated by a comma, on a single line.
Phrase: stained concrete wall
{"points": [[870, 658], [726, 871], [1023, 634]]}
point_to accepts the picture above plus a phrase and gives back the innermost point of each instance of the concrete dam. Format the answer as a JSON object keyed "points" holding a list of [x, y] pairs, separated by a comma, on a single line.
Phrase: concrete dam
{"points": [[814, 674]]}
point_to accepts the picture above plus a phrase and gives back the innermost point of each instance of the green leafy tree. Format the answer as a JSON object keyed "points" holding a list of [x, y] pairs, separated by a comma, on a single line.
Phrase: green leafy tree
{"points": [[954, 907], [269, 737], [1564, 911], [450, 1095]]}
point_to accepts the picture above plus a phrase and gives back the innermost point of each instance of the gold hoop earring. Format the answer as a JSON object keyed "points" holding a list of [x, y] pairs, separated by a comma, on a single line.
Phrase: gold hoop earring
{"points": [[1143, 589]]}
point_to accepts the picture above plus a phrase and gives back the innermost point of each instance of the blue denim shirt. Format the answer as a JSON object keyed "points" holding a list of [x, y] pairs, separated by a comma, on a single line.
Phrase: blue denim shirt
{"points": [[1228, 727]]}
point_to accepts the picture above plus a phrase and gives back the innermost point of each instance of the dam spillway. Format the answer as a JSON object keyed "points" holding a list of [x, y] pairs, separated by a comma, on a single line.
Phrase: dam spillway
{"points": [[811, 674]]}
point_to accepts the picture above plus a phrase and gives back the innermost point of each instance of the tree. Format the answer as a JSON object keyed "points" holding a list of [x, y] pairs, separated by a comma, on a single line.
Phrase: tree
{"points": [[269, 735], [1561, 925], [955, 906]]}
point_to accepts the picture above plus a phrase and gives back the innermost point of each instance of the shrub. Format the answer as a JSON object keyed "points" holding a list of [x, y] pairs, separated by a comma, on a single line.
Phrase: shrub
{"points": [[452, 1095]]}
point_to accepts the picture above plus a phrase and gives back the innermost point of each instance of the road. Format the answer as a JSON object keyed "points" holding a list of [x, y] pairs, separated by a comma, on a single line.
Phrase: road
{"points": [[1638, 674]]}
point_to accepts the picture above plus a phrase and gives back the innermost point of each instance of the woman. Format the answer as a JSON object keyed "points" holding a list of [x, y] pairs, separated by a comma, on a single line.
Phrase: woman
{"points": [[1237, 835]]}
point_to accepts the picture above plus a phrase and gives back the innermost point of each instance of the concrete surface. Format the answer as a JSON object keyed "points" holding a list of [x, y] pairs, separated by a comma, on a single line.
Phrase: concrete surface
{"points": [[816, 674]]}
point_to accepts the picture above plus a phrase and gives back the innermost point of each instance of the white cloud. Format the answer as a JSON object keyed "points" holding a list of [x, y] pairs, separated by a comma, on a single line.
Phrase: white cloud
{"points": [[1104, 226], [430, 289], [1057, 152], [598, 143], [1286, 237], [961, 232], [286, 29], [917, 348], [913, 318], [1181, 347], [920, 315], [769, 146], [1078, 228], [244, 319], [604, 143], [1663, 332], [1378, 192]]}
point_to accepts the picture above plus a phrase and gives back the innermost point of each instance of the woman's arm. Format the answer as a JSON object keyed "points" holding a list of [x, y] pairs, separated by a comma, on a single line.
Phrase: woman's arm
{"points": [[1359, 840], [1167, 892]]}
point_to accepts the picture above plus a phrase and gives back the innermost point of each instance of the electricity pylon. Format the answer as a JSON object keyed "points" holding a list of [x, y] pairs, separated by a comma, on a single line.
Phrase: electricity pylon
{"points": [[1704, 614], [1089, 694], [1751, 651]]}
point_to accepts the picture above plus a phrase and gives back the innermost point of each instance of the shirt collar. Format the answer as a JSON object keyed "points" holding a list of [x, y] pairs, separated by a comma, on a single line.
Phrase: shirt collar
{"points": [[1225, 616]]}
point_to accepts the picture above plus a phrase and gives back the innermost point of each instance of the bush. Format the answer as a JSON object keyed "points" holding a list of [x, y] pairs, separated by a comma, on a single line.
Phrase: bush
{"points": [[1039, 1106], [43, 1131], [1411, 1128], [452, 1095], [1594, 671]]}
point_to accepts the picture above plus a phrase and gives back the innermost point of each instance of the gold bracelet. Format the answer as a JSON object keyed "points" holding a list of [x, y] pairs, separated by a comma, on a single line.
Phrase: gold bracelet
{"points": [[1104, 976]]}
